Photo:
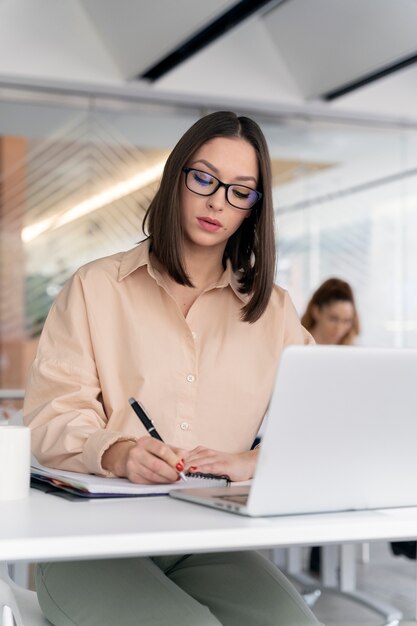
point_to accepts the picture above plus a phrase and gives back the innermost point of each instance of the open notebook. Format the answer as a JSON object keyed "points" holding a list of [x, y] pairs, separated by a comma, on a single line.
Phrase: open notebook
{"points": [[91, 486]]}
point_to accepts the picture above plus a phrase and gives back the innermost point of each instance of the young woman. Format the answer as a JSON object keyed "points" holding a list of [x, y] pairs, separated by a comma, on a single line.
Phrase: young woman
{"points": [[191, 324], [331, 315]]}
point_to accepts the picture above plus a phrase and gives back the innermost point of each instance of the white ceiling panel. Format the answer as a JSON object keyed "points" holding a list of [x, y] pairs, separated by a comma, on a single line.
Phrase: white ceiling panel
{"points": [[53, 39], [328, 43], [242, 64], [395, 93], [287, 54], [139, 33]]}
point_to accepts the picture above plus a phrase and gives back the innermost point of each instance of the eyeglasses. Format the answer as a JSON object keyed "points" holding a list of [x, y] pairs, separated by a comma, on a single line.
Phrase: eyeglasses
{"points": [[205, 184]]}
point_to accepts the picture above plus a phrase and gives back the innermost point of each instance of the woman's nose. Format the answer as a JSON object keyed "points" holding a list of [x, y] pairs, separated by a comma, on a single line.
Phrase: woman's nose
{"points": [[217, 200]]}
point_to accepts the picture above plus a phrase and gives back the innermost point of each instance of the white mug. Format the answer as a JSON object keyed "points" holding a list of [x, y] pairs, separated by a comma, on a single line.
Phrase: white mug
{"points": [[14, 462]]}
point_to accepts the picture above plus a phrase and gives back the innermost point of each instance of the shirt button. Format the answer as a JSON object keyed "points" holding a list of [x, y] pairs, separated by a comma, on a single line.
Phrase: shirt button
{"points": [[190, 378], [184, 425]]}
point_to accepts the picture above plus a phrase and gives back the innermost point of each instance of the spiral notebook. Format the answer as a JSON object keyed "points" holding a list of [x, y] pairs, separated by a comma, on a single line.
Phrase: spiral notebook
{"points": [[91, 486]]}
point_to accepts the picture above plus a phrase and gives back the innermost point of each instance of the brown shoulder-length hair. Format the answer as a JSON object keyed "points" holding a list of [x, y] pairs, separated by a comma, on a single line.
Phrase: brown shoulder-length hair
{"points": [[333, 290], [251, 249]]}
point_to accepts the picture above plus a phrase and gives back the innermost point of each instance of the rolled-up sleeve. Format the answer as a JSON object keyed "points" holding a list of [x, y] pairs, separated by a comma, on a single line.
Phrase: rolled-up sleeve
{"points": [[63, 404]]}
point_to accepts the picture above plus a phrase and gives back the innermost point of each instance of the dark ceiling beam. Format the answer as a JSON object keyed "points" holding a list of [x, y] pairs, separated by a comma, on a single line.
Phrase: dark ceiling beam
{"points": [[228, 20]]}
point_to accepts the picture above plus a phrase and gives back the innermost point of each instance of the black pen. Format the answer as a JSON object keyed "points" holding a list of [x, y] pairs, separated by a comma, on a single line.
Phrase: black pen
{"points": [[148, 425]]}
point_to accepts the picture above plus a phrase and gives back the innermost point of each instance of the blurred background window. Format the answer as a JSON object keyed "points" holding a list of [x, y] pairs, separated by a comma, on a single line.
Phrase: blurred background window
{"points": [[85, 131]]}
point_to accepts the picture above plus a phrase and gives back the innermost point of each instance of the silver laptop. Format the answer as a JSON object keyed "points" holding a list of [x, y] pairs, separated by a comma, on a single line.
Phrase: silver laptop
{"points": [[341, 434]]}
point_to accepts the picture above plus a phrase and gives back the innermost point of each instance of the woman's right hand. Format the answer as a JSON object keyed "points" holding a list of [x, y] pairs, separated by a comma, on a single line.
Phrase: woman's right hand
{"points": [[146, 461]]}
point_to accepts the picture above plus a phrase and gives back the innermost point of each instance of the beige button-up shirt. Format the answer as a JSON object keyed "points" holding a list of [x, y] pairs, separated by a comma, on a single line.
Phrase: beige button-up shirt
{"points": [[114, 332]]}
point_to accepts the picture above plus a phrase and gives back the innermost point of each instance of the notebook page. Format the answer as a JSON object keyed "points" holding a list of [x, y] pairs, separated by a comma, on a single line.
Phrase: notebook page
{"points": [[100, 484]]}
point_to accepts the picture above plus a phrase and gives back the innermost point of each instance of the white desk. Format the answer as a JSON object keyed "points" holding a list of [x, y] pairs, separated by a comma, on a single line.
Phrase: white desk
{"points": [[45, 527]]}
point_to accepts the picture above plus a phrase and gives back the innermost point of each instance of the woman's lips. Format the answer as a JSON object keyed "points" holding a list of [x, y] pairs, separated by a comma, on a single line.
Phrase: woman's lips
{"points": [[208, 224]]}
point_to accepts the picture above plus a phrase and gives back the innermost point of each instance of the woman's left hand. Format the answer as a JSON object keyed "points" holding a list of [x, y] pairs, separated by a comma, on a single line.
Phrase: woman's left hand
{"points": [[238, 466]]}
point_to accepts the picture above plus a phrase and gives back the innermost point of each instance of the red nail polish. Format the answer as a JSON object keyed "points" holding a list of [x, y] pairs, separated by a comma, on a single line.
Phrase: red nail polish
{"points": [[179, 467], [193, 468], [179, 478]]}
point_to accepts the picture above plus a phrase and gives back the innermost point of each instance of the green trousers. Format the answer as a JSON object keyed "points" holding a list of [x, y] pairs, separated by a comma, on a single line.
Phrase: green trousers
{"points": [[220, 589]]}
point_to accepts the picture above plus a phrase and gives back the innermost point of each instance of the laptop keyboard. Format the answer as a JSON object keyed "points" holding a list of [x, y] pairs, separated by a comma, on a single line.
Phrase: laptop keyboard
{"points": [[239, 499]]}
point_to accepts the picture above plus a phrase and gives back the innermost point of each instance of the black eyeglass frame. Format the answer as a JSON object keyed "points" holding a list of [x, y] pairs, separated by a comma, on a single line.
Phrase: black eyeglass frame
{"points": [[227, 186]]}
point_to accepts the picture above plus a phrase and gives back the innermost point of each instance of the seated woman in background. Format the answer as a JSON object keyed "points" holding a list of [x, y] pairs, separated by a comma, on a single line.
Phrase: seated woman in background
{"points": [[331, 315]]}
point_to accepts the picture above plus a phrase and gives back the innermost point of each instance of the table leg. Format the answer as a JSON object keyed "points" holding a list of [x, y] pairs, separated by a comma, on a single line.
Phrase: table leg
{"points": [[329, 566], [347, 567], [346, 585], [278, 556], [338, 576], [7, 617], [19, 572]]}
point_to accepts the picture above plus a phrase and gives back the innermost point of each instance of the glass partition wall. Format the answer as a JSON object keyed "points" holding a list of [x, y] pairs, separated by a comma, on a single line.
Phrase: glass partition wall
{"points": [[77, 174], [355, 218]]}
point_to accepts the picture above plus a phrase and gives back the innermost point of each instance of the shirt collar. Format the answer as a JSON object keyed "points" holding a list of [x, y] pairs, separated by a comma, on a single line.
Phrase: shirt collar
{"points": [[139, 257], [134, 259], [230, 278]]}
